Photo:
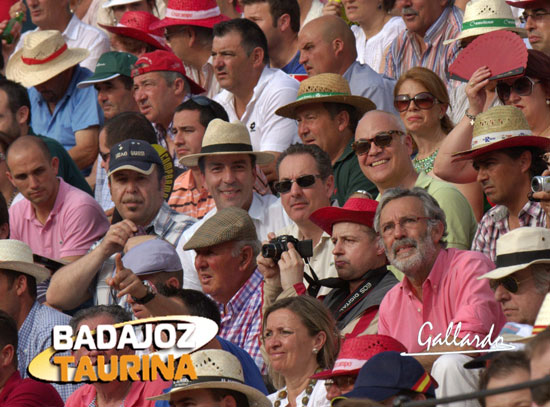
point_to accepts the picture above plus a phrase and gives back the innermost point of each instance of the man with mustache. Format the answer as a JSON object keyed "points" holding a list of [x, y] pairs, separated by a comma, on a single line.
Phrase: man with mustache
{"points": [[536, 17], [440, 288]]}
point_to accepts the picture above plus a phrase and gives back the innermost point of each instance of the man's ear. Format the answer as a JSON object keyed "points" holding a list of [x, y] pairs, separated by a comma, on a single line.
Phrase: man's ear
{"points": [[337, 46], [173, 282], [246, 256], [7, 353], [437, 232], [22, 115], [257, 56], [55, 165], [342, 120], [283, 23]]}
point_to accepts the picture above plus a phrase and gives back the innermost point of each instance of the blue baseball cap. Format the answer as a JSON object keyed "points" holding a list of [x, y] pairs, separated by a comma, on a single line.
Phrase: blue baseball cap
{"points": [[135, 155]]}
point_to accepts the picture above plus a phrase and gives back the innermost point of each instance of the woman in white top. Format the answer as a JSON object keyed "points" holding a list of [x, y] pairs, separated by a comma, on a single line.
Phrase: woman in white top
{"points": [[300, 338]]}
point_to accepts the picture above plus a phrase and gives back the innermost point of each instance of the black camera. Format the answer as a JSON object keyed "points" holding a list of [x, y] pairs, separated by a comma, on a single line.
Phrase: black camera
{"points": [[275, 248]]}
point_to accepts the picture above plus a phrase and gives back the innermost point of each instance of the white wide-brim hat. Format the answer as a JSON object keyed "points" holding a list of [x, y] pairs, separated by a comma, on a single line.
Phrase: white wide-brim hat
{"points": [[17, 256]]}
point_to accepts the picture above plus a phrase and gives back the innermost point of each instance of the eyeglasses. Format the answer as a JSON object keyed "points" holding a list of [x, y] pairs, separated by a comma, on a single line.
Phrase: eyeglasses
{"points": [[168, 36], [537, 15], [510, 283], [424, 101], [407, 222], [305, 181], [522, 86], [342, 382], [381, 139]]}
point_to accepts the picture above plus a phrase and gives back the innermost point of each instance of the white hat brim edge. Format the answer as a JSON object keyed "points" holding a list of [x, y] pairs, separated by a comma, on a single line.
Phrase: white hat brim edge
{"points": [[38, 272], [501, 272]]}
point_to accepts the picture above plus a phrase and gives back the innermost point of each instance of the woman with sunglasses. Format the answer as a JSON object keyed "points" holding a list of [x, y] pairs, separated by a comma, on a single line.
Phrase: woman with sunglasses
{"points": [[421, 99]]}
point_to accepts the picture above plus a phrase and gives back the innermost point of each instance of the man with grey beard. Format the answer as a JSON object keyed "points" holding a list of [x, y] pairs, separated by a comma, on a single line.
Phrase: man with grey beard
{"points": [[440, 295]]}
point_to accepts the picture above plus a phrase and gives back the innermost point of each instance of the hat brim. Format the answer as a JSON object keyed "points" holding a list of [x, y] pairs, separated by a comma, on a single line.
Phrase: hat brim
{"points": [[262, 157], [32, 75], [133, 167], [136, 34], [372, 392], [113, 3], [97, 79], [205, 22], [525, 3], [363, 105], [518, 141], [326, 217], [501, 272], [38, 272], [474, 32], [327, 374], [255, 397]]}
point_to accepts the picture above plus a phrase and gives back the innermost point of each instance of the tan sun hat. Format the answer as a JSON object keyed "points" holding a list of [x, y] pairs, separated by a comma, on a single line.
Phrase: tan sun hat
{"points": [[483, 16], [222, 137], [325, 87], [44, 55], [17, 256], [217, 369]]}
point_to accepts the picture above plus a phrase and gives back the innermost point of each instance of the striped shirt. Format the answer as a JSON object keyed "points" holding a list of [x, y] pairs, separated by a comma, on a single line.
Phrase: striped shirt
{"points": [[405, 52]]}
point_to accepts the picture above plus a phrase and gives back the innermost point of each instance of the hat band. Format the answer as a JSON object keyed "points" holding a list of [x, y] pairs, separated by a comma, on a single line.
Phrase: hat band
{"points": [[499, 136], [423, 384], [348, 365], [513, 259], [192, 14], [35, 61], [204, 379], [312, 95], [226, 148], [489, 22]]}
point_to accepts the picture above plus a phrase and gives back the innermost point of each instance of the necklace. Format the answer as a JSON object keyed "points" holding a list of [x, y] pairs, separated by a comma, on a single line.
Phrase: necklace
{"points": [[305, 400], [13, 195], [425, 164]]}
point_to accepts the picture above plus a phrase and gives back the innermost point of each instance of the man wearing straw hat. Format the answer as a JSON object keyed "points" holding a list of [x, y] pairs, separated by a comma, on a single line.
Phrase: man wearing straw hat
{"points": [[506, 156], [227, 164], [60, 110], [536, 17], [327, 115]]}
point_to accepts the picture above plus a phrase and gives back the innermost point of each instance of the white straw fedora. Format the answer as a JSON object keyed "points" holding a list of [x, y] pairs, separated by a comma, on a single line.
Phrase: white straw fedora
{"points": [[44, 55], [519, 249], [222, 137], [483, 16], [217, 369], [17, 256]]}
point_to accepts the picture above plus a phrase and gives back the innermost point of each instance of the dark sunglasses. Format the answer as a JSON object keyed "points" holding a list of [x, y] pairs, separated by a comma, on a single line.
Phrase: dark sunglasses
{"points": [[305, 181], [382, 139], [510, 283], [522, 86], [424, 101]]}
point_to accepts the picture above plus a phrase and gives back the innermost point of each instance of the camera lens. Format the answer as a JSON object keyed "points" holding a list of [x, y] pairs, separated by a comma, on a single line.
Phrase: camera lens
{"points": [[537, 183], [269, 251]]}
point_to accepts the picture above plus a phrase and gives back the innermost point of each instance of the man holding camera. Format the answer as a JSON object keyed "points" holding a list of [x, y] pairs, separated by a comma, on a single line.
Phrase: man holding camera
{"points": [[506, 156]]}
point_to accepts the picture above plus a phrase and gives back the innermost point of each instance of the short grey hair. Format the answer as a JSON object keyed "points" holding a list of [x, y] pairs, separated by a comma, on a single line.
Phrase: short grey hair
{"points": [[432, 209], [171, 76], [541, 275], [116, 312], [239, 244]]}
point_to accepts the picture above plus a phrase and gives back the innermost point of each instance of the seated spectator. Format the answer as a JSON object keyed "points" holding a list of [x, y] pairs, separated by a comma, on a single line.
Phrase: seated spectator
{"points": [[506, 369], [220, 380], [442, 283], [505, 152], [15, 391], [60, 110], [327, 116], [521, 280], [55, 219], [300, 337], [117, 8], [384, 149], [226, 247], [535, 18], [129, 393], [19, 277], [389, 375], [354, 353], [538, 352], [327, 45]]}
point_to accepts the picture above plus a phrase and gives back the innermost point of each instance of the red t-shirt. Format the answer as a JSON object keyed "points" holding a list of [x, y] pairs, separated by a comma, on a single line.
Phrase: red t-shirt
{"points": [[18, 392]]}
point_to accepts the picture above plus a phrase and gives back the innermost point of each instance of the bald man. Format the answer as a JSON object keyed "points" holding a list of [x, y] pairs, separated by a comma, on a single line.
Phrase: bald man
{"points": [[327, 45], [55, 219]]}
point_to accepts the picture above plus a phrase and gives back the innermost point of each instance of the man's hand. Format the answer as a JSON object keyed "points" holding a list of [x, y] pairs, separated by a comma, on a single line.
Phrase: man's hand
{"points": [[125, 281], [544, 199], [268, 268], [116, 237], [333, 8], [291, 266]]}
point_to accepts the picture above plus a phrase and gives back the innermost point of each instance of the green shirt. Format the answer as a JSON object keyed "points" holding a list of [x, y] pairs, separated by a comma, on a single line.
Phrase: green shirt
{"points": [[349, 178]]}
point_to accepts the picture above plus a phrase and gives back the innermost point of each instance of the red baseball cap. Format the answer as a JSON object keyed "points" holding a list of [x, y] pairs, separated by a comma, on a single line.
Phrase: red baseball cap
{"points": [[202, 13], [355, 210], [160, 60]]}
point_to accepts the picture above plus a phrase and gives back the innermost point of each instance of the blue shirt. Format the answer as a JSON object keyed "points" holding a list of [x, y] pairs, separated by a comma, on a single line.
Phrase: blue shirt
{"points": [[294, 66], [77, 110]]}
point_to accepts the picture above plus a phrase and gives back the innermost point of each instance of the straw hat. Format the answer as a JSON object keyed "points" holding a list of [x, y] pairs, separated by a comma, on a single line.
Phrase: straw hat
{"points": [[112, 3], [519, 249], [542, 321], [17, 256], [222, 137], [44, 55], [217, 369], [355, 210], [501, 127], [483, 16], [202, 13], [136, 25], [325, 87]]}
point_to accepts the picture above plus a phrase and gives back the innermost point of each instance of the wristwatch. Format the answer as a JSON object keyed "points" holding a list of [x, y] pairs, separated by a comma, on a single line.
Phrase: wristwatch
{"points": [[148, 297]]}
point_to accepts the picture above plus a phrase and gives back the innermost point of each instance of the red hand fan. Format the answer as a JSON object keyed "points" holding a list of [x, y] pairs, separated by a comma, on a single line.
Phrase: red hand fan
{"points": [[503, 52]]}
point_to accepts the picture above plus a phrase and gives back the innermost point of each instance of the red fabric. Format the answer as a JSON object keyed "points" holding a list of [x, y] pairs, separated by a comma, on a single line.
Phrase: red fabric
{"points": [[365, 321], [5, 9], [18, 392]]}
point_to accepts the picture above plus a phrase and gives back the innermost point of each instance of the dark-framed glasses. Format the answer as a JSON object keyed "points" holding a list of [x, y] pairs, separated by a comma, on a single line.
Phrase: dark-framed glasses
{"points": [[423, 100], [536, 15], [305, 181], [522, 86], [381, 139]]}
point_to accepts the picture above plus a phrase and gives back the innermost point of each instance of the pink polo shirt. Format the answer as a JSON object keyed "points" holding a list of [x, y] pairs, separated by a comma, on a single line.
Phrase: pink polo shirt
{"points": [[74, 224], [451, 293]]}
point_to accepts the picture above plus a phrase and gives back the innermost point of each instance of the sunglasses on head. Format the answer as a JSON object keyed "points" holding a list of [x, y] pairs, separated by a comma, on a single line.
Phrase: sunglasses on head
{"points": [[424, 101], [522, 86], [510, 283], [381, 139], [305, 181]]}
